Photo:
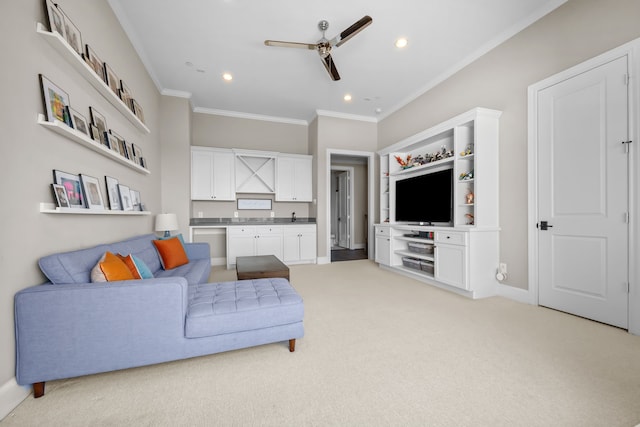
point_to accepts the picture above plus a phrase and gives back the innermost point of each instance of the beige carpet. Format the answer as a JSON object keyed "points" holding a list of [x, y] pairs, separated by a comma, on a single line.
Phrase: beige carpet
{"points": [[379, 350]]}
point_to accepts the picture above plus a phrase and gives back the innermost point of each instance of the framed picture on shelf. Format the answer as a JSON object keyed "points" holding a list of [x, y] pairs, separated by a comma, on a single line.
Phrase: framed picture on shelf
{"points": [[72, 33], [100, 122], [125, 95], [62, 200], [56, 18], [113, 195], [91, 191], [55, 101], [95, 133], [129, 148], [137, 110], [72, 186], [78, 121], [125, 197], [134, 154], [111, 78], [135, 199], [94, 62]]}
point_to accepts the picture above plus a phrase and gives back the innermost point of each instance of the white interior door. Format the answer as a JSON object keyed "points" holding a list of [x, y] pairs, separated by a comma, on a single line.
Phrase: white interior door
{"points": [[583, 194], [344, 214]]}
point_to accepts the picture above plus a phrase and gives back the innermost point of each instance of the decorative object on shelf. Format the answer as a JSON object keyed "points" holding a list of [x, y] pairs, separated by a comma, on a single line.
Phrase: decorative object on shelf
{"points": [[404, 163], [466, 176], [470, 218], [71, 33], [91, 191], [78, 121], [61, 195], [113, 194], [56, 19], [95, 62], [137, 110], [166, 222], [72, 185], [125, 95], [125, 197], [467, 151], [55, 101], [470, 197]]}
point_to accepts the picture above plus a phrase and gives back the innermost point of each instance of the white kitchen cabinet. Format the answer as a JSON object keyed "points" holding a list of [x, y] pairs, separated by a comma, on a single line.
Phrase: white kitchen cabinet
{"points": [[299, 244], [255, 171], [212, 174], [293, 178]]}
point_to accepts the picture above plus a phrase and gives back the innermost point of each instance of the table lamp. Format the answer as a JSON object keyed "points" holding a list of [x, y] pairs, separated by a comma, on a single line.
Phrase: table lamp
{"points": [[166, 222]]}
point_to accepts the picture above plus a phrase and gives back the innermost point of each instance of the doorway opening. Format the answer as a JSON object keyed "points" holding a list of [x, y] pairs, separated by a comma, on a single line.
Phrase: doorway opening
{"points": [[350, 205]]}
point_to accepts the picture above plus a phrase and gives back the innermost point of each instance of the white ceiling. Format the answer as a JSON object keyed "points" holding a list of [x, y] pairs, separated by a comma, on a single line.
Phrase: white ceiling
{"points": [[187, 46]]}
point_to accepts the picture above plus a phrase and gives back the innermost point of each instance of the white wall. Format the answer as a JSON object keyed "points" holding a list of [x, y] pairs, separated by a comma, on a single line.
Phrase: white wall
{"points": [[576, 31], [29, 152]]}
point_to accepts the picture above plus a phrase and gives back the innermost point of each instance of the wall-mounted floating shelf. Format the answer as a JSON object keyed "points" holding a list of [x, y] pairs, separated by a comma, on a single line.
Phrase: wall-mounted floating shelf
{"points": [[71, 56], [51, 208], [85, 141]]}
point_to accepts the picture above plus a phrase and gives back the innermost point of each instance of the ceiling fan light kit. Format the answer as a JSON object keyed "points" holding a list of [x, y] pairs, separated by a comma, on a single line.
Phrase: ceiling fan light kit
{"points": [[324, 46]]}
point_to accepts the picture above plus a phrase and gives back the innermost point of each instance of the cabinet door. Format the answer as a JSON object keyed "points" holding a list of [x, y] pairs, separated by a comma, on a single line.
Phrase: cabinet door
{"points": [[201, 175], [294, 176], [291, 246], [269, 241], [450, 265], [308, 245], [223, 176], [302, 179], [241, 241], [383, 250]]}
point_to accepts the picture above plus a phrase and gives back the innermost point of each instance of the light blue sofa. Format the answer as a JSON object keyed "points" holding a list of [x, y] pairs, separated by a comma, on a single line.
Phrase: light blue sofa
{"points": [[70, 327]]}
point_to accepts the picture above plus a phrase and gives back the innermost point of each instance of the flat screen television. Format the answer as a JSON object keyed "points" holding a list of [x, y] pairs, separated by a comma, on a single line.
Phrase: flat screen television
{"points": [[425, 199]]}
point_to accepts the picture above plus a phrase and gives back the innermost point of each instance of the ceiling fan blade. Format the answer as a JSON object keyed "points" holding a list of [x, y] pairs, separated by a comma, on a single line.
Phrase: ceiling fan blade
{"points": [[354, 29], [278, 43], [331, 67]]}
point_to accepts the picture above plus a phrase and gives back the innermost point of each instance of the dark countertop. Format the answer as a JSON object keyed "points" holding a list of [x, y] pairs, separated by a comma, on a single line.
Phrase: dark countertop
{"points": [[194, 222]]}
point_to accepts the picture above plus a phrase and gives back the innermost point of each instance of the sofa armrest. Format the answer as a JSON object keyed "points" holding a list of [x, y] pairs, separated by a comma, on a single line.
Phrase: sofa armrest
{"points": [[69, 330], [198, 250]]}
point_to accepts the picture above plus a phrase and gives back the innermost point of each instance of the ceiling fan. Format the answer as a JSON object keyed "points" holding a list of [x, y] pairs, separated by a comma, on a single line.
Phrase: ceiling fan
{"points": [[324, 46]]}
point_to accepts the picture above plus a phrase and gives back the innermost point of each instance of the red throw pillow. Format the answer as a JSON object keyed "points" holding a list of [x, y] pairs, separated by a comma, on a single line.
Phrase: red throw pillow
{"points": [[172, 253]]}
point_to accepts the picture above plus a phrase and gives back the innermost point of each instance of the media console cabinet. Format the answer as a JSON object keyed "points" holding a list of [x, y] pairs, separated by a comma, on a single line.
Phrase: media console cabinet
{"points": [[464, 256]]}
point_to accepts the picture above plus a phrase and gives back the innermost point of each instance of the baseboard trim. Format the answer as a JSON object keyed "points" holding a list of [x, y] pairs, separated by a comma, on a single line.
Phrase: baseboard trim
{"points": [[218, 261], [11, 394], [516, 294], [324, 260]]}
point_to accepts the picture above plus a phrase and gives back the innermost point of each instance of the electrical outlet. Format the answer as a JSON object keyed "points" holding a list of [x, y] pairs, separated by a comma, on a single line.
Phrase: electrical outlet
{"points": [[235, 214], [503, 268], [200, 215], [273, 214]]}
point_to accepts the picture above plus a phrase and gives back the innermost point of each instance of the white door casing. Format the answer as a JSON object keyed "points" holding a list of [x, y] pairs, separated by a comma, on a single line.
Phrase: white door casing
{"points": [[344, 210], [579, 177]]}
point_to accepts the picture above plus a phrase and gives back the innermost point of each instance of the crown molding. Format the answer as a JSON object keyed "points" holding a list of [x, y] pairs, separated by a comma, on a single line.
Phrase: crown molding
{"points": [[325, 113], [249, 116], [176, 93]]}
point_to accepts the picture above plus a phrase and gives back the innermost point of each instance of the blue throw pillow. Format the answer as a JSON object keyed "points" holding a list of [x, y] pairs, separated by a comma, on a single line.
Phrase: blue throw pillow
{"points": [[143, 270]]}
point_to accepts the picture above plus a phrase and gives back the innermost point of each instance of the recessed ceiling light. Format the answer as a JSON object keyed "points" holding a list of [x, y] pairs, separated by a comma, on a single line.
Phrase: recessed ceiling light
{"points": [[347, 97], [227, 77], [401, 42]]}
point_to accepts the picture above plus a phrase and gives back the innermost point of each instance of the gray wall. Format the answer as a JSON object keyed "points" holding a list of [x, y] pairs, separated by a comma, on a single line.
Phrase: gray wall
{"points": [[575, 32], [29, 152]]}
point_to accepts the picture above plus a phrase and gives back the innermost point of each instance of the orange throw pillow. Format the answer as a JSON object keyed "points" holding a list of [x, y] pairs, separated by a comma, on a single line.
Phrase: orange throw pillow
{"points": [[114, 268], [172, 253], [128, 261]]}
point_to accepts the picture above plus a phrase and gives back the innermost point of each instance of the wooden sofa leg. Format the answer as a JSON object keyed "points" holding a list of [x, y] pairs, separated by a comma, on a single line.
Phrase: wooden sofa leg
{"points": [[292, 346], [38, 389]]}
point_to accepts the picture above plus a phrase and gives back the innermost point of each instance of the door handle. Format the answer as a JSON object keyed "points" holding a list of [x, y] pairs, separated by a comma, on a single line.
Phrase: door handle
{"points": [[544, 225]]}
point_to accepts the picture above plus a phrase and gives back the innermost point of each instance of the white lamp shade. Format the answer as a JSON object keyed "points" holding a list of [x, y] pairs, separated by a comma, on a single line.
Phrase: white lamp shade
{"points": [[166, 222]]}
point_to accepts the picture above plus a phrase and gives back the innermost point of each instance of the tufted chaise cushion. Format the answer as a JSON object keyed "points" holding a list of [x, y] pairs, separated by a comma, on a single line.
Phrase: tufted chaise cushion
{"points": [[227, 307]]}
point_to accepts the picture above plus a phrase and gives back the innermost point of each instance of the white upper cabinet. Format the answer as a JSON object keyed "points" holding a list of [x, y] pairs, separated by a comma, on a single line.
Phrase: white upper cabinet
{"points": [[255, 171], [293, 178], [212, 174]]}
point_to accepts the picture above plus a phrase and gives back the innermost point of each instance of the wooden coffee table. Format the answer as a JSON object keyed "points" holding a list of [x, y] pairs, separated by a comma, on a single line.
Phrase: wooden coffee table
{"points": [[260, 267]]}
